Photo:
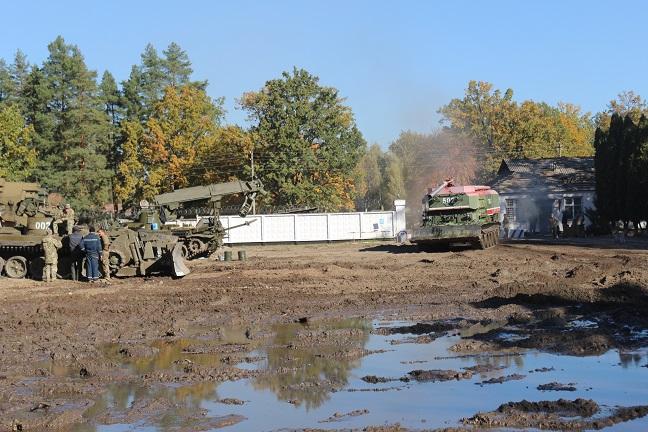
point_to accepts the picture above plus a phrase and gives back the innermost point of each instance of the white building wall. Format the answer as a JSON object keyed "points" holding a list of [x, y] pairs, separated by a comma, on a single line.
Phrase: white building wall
{"points": [[311, 227]]}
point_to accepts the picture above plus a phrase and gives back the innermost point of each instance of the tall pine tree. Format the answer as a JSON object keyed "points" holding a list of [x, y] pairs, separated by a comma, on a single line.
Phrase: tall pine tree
{"points": [[72, 128]]}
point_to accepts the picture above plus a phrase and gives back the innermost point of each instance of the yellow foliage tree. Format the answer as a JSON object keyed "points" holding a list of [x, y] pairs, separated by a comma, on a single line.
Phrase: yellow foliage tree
{"points": [[224, 158], [163, 154], [183, 121], [18, 158], [130, 170], [502, 128]]}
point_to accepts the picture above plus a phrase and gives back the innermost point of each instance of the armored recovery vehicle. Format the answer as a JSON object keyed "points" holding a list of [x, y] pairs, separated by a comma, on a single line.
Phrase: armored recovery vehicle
{"points": [[459, 214], [207, 236]]}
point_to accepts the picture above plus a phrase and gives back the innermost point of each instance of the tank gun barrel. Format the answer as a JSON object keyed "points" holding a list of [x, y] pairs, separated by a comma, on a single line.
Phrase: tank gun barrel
{"points": [[436, 191]]}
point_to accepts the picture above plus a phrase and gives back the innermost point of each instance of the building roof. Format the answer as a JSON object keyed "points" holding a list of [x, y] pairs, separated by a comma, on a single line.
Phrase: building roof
{"points": [[545, 175]]}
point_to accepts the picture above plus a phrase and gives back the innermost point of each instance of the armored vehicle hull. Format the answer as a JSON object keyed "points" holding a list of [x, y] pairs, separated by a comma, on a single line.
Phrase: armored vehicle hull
{"points": [[479, 236]]}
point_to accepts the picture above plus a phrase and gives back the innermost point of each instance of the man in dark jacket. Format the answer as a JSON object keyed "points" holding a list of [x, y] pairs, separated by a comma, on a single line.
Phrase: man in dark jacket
{"points": [[91, 245], [74, 244]]}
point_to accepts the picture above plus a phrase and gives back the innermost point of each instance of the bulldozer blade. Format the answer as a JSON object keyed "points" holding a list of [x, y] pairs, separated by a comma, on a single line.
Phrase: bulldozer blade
{"points": [[180, 269]]}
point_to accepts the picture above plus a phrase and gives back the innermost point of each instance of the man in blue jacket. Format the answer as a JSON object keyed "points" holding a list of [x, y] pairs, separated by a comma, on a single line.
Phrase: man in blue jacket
{"points": [[91, 245]]}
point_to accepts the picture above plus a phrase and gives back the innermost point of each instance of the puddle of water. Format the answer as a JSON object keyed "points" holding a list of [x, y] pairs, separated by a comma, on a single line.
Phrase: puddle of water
{"points": [[309, 383]]}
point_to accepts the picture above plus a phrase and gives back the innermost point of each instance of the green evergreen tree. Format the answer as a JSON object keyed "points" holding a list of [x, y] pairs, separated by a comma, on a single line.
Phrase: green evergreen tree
{"points": [[147, 81], [112, 101], [6, 83], [132, 95], [35, 98], [176, 66], [19, 75], [74, 138], [639, 188]]}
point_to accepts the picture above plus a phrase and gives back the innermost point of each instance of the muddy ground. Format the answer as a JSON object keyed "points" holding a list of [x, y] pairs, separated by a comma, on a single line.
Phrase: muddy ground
{"points": [[62, 345]]}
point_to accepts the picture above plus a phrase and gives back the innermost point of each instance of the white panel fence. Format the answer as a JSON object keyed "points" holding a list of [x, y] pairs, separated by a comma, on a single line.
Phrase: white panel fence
{"points": [[315, 227]]}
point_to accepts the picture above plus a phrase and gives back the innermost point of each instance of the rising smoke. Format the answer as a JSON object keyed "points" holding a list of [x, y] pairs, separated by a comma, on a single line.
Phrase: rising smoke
{"points": [[429, 159]]}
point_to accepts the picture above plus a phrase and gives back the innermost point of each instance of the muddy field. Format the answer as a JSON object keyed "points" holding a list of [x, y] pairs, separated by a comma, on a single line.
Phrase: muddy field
{"points": [[365, 336]]}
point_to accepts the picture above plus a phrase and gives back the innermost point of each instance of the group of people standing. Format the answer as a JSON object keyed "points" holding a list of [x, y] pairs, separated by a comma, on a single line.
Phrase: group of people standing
{"points": [[93, 248]]}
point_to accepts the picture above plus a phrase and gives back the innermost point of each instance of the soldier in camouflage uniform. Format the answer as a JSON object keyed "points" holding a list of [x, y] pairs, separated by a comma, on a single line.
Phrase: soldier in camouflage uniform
{"points": [[105, 255], [57, 215], [51, 245], [68, 216]]}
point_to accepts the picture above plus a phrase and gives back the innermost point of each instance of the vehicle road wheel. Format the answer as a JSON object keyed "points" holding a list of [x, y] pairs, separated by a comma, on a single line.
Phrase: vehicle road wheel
{"points": [[196, 246], [16, 267], [2, 264]]}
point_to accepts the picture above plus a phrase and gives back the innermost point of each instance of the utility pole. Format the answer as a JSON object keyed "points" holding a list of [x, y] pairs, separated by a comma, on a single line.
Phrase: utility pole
{"points": [[252, 169], [559, 149]]}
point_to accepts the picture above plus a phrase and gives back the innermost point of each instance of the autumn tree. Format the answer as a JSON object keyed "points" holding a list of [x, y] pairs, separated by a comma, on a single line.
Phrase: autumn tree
{"points": [[369, 179], [626, 103], [18, 156], [393, 185], [307, 140], [502, 128], [130, 173], [224, 158], [162, 155]]}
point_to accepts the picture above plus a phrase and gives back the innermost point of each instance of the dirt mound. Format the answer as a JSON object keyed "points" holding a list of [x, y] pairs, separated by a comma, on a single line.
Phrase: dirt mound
{"points": [[439, 375], [423, 328], [561, 414], [556, 386], [502, 379]]}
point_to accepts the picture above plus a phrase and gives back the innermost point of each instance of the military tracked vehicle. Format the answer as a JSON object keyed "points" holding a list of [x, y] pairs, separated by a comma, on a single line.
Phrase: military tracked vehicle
{"points": [[459, 214], [26, 216], [207, 236]]}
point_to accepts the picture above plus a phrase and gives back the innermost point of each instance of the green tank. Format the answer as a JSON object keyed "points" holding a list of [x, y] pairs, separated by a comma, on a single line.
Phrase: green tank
{"points": [[25, 217], [459, 214]]}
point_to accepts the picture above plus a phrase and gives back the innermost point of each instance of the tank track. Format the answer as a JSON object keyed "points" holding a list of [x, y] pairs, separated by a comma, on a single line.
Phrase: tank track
{"points": [[489, 237]]}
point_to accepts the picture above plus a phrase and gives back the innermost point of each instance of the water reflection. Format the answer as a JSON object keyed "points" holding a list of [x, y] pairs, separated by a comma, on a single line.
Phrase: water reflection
{"points": [[309, 362], [168, 354], [131, 404], [628, 359]]}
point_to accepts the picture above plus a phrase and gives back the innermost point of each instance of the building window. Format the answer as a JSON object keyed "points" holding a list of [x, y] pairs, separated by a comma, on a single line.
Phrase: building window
{"points": [[512, 210], [573, 207]]}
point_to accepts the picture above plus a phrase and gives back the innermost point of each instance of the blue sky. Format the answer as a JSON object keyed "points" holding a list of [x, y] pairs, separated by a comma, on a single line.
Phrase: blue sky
{"points": [[395, 62]]}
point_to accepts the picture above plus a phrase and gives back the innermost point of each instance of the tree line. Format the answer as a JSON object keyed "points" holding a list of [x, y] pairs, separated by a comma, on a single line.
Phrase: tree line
{"points": [[621, 162], [98, 141]]}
